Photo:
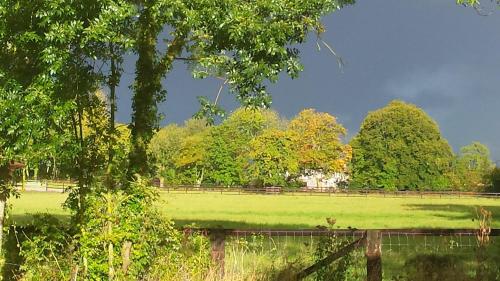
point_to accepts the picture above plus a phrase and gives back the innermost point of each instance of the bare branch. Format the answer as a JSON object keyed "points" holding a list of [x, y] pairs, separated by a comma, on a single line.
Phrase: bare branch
{"points": [[340, 61], [480, 11], [185, 59], [220, 90]]}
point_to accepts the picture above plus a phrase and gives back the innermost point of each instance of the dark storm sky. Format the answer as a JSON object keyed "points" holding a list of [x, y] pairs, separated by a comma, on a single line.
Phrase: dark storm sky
{"points": [[443, 57]]}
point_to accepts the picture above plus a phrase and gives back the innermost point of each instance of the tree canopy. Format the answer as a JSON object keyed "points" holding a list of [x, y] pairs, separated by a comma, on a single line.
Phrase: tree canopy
{"points": [[318, 142], [472, 167], [251, 147], [400, 146]]}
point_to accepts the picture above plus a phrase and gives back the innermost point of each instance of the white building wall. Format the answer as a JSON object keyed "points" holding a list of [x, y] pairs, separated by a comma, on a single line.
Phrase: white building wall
{"points": [[319, 180]]}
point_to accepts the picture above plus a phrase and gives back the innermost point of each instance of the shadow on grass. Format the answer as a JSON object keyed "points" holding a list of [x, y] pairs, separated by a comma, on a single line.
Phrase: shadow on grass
{"points": [[238, 224], [25, 219], [454, 211]]}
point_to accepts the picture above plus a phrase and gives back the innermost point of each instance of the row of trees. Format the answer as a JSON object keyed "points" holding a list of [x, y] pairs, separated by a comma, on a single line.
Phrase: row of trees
{"points": [[397, 147], [251, 147]]}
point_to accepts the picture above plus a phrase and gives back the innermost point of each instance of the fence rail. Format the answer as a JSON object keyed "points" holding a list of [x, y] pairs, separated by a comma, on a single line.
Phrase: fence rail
{"points": [[64, 185], [326, 192], [47, 186]]}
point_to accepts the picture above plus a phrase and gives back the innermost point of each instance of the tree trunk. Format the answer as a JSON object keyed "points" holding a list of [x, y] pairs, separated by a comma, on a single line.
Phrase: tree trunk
{"points": [[3, 202], [23, 184], [109, 231], [146, 88], [150, 69], [200, 177], [113, 81]]}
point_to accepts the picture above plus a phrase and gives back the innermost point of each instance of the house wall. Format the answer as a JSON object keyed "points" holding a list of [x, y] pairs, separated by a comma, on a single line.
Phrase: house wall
{"points": [[319, 180]]}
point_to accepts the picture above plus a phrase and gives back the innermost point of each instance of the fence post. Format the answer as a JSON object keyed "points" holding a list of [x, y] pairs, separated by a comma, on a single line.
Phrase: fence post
{"points": [[218, 245], [374, 255]]}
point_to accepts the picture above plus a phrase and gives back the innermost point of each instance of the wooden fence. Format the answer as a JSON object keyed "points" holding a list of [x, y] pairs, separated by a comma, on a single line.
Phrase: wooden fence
{"points": [[47, 186], [327, 192], [370, 239], [65, 185]]}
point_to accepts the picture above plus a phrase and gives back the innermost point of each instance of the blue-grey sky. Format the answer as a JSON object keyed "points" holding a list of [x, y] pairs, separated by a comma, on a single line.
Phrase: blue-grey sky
{"points": [[443, 57]]}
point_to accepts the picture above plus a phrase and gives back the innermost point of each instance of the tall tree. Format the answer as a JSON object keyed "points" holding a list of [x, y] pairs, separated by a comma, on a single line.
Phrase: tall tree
{"points": [[59, 55], [473, 166], [228, 143], [179, 153], [495, 179], [245, 43], [28, 116], [400, 146], [191, 162], [318, 143], [271, 158]]}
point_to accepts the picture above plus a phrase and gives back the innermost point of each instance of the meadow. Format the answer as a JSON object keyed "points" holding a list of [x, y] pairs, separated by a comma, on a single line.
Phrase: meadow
{"points": [[290, 212]]}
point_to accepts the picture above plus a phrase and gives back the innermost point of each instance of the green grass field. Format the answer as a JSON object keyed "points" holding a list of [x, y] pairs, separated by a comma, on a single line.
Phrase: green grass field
{"points": [[272, 211]]}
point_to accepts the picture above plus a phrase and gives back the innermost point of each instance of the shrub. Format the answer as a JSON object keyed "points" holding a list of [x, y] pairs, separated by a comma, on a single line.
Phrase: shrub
{"points": [[122, 237]]}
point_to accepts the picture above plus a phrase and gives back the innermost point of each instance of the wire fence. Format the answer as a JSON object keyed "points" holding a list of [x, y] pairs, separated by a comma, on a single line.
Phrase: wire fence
{"points": [[247, 248], [454, 238]]}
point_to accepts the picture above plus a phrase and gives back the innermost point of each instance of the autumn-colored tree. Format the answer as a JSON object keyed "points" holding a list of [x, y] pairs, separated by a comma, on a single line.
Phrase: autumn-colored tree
{"points": [[163, 150], [400, 146], [318, 142], [178, 153], [191, 160], [271, 158]]}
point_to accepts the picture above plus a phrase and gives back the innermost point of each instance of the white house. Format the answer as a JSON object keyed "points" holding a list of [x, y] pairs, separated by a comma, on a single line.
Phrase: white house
{"points": [[316, 179]]}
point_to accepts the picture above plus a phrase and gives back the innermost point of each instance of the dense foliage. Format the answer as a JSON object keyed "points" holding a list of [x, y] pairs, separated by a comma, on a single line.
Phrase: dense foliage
{"points": [[400, 146], [229, 142], [495, 179], [123, 238], [473, 167], [319, 142], [271, 158], [251, 147]]}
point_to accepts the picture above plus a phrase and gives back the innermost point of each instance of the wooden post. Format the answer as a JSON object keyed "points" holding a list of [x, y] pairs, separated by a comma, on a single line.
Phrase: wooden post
{"points": [[374, 255], [218, 243]]}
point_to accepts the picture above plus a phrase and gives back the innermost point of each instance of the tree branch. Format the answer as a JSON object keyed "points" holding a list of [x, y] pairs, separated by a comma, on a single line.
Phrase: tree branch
{"points": [[331, 258]]}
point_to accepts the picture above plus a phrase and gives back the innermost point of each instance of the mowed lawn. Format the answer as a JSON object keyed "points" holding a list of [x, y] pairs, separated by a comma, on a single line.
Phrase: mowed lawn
{"points": [[275, 211]]}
